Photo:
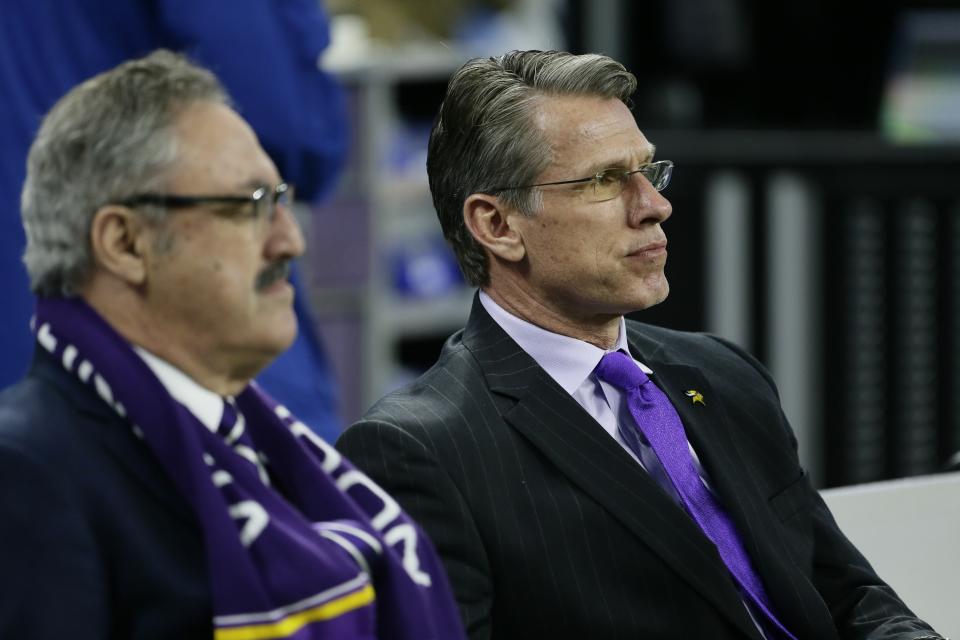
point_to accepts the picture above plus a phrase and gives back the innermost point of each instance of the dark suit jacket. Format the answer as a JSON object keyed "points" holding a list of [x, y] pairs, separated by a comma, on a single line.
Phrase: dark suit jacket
{"points": [[548, 528], [95, 541]]}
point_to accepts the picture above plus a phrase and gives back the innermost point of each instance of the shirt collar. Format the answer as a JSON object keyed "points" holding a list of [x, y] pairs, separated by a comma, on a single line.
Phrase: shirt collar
{"points": [[567, 360], [204, 404]]}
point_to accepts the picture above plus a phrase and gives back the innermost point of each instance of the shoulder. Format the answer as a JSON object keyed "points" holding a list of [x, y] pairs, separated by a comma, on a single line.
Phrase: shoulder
{"points": [[439, 404], [456, 378], [52, 422], [709, 352], [730, 374], [44, 458], [672, 341], [35, 413], [89, 516], [60, 443]]}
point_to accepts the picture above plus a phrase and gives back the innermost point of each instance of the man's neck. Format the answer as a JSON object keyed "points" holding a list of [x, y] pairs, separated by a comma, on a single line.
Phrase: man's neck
{"points": [[220, 380], [601, 331]]}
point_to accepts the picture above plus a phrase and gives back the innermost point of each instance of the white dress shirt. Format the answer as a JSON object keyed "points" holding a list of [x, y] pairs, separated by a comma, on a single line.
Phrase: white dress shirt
{"points": [[205, 405]]}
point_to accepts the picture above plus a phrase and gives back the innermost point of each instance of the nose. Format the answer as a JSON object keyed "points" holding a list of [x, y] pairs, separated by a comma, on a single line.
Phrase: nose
{"points": [[286, 238], [646, 204]]}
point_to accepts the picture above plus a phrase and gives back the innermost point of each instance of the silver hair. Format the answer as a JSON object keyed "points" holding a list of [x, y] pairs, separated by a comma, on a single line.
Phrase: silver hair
{"points": [[485, 135], [107, 139]]}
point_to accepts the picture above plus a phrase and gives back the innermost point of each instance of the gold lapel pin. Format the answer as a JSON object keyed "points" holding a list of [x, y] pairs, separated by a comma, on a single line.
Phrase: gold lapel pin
{"points": [[695, 396]]}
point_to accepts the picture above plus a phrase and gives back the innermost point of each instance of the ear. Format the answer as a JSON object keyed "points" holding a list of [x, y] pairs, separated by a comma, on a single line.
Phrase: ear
{"points": [[118, 238], [490, 223]]}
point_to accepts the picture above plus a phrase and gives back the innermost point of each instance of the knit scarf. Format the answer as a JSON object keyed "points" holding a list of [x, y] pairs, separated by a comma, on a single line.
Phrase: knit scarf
{"points": [[334, 557]]}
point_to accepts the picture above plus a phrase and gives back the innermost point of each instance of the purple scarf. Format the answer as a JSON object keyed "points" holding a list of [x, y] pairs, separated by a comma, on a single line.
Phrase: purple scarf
{"points": [[334, 558]]}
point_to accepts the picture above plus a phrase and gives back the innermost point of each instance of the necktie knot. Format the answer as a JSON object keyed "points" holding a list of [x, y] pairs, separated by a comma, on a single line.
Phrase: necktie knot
{"points": [[621, 371]]}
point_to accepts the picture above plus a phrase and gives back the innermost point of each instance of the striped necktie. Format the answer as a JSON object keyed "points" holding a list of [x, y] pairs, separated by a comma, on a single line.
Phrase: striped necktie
{"points": [[232, 429]]}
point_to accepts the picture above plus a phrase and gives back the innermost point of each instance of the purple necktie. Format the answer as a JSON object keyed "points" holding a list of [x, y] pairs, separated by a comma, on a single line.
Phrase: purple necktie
{"points": [[232, 429], [657, 419]]}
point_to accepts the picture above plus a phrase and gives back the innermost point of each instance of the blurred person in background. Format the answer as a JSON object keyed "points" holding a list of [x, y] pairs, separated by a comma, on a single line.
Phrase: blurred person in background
{"points": [[149, 489], [266, 54], [584, 475]]}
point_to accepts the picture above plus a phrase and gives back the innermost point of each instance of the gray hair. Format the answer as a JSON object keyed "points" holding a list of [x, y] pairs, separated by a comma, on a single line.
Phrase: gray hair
{"points": [[485, 135], [107, 139]]}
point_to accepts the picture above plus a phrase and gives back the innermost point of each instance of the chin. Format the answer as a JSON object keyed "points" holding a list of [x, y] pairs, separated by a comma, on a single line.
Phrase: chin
{"points": [[662, 293], [285, 340], [652, 294], [265, 352], [281, 332]]}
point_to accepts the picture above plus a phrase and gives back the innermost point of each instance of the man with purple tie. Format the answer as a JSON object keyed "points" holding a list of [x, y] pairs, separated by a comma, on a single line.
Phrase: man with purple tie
{"points": [[583, 475]]}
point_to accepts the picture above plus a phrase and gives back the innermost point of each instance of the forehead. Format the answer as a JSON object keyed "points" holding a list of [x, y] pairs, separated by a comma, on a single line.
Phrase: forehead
{"points": [[218, 149], [584, 132]]}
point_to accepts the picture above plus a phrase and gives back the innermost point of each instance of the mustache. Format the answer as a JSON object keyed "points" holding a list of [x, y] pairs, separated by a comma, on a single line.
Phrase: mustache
{"points": [[279, 270]]}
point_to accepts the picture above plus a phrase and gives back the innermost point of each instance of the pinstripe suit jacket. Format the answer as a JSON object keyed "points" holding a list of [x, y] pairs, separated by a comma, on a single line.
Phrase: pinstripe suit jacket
{"points": [[548, 529]]}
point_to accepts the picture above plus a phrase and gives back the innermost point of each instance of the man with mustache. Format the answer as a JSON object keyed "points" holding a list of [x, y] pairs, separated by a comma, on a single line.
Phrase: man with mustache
{"points": [[582, 475], [148, 489], [265, 53]]}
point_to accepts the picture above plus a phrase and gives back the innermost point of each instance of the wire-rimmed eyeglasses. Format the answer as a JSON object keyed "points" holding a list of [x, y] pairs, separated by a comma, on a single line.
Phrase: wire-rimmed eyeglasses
{"points": [[265, 200], [610, 183]]}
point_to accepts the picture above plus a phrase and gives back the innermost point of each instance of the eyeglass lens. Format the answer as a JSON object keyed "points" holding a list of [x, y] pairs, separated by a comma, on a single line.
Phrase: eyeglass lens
{"points": [[268, 200], [658, 174], [611, 183]]}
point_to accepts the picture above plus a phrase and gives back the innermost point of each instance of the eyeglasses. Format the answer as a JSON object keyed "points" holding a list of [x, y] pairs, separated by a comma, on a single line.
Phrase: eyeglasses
{"points": [[610, 183], [265, 200]]}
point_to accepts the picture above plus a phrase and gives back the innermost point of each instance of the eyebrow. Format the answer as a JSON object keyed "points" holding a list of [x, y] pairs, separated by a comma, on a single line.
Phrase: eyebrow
{"points": [[610, 164], [256, 183]]}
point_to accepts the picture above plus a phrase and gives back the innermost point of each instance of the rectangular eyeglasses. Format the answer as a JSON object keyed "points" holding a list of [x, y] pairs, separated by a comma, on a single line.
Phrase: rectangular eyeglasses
{"points": [[264, 200], [610, 183]]}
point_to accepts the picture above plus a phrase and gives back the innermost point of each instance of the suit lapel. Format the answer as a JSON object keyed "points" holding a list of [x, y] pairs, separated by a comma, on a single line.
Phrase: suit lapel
{"points": [[553, 422]]}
